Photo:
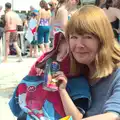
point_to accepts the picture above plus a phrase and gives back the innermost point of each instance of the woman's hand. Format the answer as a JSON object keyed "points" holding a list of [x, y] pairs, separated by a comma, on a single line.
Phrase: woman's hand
{"points": [[62, 80], [39, 71]]}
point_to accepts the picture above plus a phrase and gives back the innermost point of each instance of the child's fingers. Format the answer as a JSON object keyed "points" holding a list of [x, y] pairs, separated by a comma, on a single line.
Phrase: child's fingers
{"points": [[39, 71], [59, 73]]}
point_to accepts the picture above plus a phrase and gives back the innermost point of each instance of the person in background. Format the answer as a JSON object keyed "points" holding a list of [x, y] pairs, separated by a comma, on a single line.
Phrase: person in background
{"points": [[63, 11], [33, 10], [11, 22], [112, 11], [32, 26], [43, 29], [53, 5], [116, 4], [1, 10], [1, 31]]}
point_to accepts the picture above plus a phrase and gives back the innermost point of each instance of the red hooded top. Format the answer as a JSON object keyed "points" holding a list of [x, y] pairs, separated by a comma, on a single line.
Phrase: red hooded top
{"points": [[64, 65]]}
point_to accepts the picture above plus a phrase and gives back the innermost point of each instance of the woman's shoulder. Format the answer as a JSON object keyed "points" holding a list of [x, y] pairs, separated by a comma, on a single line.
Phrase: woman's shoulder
{"points": [[115, 76], [116, 72]]}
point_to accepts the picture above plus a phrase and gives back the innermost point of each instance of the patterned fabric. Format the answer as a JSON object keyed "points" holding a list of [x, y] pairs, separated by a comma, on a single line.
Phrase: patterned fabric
{"points": [[44, 22], [13, 36], [30, 97], [31, 33]]}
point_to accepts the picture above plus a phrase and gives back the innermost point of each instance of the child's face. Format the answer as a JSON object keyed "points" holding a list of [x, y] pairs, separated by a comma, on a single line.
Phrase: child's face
{"points": [[62, 50]]}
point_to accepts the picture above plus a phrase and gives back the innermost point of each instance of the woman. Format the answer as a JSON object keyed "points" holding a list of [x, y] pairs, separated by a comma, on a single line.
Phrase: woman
{"points": [[91, 39], [112, 11], [43, 26], [62, 13]]}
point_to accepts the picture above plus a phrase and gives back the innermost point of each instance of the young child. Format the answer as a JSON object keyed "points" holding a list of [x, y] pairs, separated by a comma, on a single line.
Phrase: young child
{"points": [[32, 27], [36, 102]]}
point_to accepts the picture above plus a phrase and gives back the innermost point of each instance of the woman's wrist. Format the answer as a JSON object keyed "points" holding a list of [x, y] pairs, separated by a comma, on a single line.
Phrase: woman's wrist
{"points": [[62, 91]]}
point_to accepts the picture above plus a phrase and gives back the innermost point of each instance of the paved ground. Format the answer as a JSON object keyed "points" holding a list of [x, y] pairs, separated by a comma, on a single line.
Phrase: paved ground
{"points": [[11, 74]]}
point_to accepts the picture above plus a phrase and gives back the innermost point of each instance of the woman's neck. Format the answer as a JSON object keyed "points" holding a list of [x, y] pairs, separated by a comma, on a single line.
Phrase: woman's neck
{"points": [[92, 70]]}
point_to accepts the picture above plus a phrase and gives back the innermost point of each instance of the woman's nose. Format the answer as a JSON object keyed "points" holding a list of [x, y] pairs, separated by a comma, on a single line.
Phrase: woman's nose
{"points": [[80, 43]]}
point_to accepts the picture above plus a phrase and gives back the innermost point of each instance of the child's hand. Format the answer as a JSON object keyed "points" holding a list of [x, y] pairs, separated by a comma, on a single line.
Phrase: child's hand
{"points": [[62, 80], [39, 71]]}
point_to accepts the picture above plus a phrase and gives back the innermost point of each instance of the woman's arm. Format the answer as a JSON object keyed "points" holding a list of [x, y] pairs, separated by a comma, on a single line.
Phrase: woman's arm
{"points": [[105, 116], [69, 106]]}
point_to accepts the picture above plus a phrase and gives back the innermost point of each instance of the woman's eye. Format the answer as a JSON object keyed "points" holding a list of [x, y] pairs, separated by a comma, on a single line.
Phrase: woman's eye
{"points": [[87, 37], [73, 37]]}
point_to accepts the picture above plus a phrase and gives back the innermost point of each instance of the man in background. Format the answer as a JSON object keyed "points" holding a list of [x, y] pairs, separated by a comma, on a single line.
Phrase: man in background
{"points": [[2, 23], [11, 22]]}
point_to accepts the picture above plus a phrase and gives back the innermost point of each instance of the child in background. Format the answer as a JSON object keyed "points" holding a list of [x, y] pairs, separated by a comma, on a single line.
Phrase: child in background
{"points": [[32, 28]]}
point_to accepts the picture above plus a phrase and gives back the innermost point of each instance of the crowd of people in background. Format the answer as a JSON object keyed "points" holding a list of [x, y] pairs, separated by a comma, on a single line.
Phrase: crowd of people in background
{"points": [[41, 25]]}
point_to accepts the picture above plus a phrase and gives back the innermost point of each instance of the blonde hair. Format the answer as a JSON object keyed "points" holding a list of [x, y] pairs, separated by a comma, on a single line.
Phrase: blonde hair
{"points": [[92, 19]]}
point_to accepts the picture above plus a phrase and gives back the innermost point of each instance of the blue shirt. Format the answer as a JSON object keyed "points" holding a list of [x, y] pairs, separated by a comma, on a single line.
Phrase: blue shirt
{"points": [[106, 95]]}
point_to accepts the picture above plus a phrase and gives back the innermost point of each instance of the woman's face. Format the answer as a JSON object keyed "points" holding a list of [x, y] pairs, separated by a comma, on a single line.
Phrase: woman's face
{"points": [[84, 47]]}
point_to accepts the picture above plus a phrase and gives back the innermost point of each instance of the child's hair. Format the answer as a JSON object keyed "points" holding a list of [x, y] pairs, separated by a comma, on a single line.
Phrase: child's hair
{"points": [[33, 14]]}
